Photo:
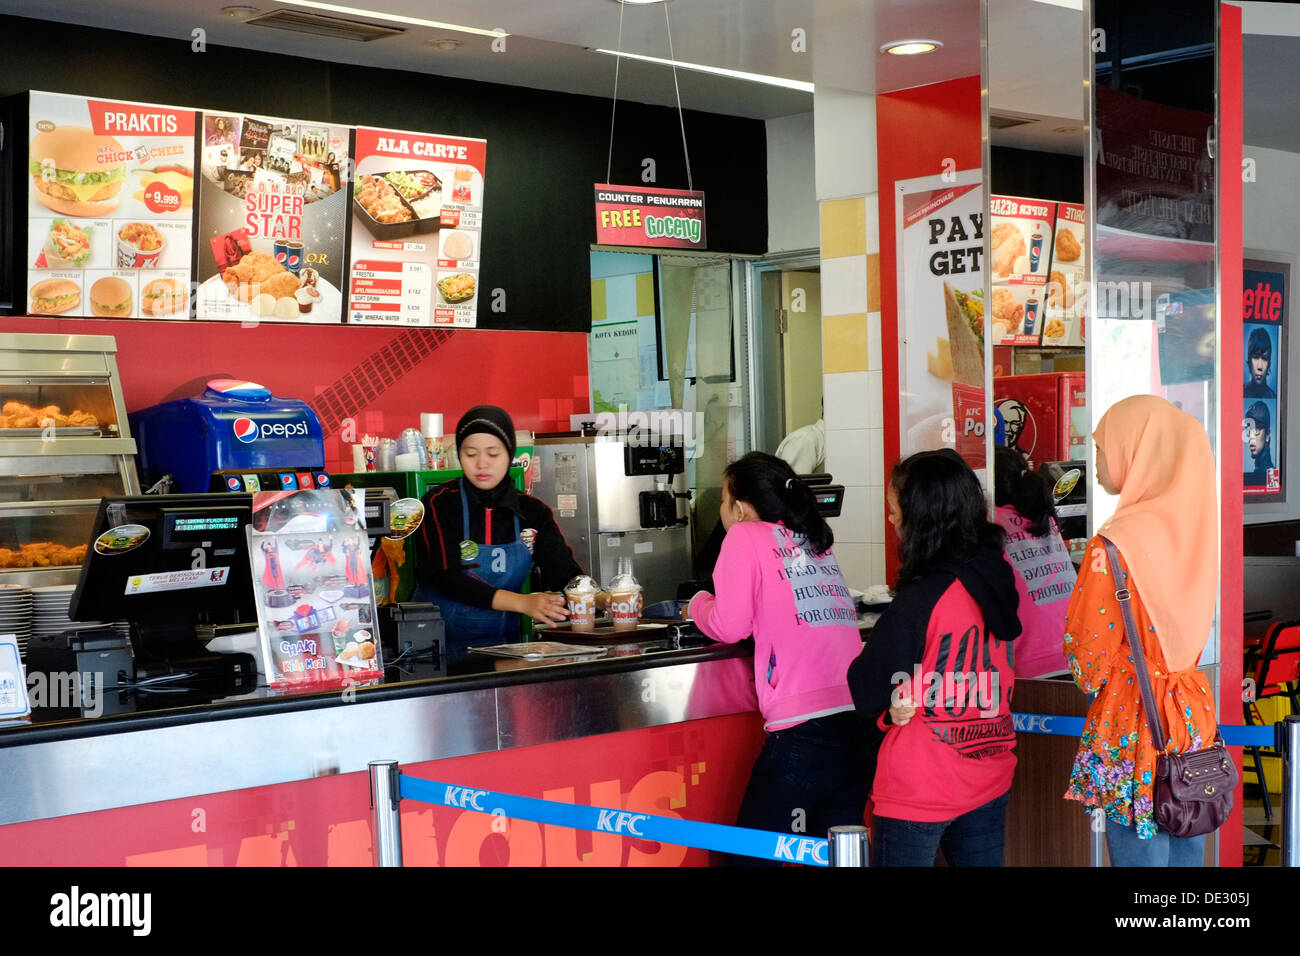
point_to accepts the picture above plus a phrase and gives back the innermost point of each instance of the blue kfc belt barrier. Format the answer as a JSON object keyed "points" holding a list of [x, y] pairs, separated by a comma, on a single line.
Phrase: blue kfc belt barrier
{"points": [[741, 841], [1234, 735], [785, 847]]}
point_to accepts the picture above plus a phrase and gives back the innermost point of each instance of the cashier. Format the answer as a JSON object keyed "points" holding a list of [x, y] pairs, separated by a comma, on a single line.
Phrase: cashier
{"points": [[481, 539]]}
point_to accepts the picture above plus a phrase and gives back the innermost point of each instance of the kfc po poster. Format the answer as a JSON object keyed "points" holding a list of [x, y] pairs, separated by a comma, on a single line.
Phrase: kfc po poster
{"points": [[941, 315], [417, 229], [273, 219], [110, 208]]}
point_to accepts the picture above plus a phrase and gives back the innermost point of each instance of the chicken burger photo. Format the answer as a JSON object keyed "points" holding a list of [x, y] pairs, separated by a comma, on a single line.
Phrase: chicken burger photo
{"points": [[53, 296], [111, 298], [163, 297], [76, 172]]}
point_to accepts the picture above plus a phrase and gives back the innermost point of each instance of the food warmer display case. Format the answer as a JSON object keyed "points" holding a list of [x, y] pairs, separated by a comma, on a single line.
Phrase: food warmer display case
{"points": [[64, 444]]}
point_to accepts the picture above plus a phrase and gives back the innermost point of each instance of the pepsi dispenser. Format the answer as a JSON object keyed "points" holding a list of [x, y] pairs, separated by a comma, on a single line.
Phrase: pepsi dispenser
{"points": [[235, 436]]}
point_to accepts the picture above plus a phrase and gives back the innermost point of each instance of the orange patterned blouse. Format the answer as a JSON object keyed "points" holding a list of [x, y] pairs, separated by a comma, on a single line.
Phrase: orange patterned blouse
{"points": [[1114, 769]]}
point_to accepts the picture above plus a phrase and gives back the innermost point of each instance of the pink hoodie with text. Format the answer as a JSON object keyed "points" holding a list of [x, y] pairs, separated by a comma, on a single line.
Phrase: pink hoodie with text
{"points": [[797, 607]]}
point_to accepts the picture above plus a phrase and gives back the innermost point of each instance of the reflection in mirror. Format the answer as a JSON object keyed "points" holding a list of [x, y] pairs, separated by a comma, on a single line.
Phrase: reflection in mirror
{"points": [[1038, 245]]}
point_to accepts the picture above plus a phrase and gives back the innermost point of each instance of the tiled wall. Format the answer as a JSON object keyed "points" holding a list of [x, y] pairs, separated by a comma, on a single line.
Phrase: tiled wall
{"points": [[851, 382]]}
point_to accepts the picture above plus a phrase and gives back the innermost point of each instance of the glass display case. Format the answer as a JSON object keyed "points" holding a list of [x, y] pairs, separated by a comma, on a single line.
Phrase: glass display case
{"points": [[64, 444]]}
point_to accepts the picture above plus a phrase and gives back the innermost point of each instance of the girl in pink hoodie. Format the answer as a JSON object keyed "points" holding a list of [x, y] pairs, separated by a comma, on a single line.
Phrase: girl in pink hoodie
{"points": [[777, 580]]}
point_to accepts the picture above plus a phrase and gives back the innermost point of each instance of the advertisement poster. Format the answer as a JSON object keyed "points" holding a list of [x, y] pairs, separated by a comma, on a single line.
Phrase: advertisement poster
{"points": [[315, 594], [417, 228], [272, 219], [941, 315], [1020, 249], [646, 216], [1263, 349], [110, 208], [1064, 318]]}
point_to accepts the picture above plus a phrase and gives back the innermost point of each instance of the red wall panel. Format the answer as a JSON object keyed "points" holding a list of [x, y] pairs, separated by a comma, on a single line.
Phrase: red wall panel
{"points": [[382, 378]]}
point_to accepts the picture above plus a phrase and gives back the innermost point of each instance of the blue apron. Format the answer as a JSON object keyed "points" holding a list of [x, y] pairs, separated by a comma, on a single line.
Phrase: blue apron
{"points": [[503, 566]]}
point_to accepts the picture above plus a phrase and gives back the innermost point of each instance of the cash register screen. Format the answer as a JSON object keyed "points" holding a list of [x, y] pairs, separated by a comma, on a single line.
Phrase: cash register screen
{"points": [[160, 556]]}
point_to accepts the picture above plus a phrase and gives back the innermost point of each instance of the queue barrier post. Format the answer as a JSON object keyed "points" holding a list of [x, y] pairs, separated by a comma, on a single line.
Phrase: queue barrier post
{"points": [[849, 846], [385, 799], [1288, 743]]}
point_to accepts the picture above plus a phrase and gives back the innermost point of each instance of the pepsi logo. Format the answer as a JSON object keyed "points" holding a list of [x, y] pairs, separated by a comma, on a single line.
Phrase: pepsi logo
{"points": [[286, 480], [232, 483], [280, 256], [322, 480], [245, 430]]}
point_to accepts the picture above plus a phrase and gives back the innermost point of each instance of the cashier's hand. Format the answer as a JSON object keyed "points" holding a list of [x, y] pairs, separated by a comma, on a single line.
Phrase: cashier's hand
{"points": [[902, 712], [544, 608]]}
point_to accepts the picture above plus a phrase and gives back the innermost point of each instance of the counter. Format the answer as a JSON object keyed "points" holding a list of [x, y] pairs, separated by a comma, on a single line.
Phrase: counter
{"points": [[280, 778]]}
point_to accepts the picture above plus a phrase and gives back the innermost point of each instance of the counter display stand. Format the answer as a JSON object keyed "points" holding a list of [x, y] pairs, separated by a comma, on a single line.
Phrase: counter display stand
{"points": [[64, 444]]}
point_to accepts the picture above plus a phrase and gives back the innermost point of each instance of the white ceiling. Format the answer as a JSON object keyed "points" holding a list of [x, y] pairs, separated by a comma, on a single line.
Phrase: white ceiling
{"points": [[550, 43]]}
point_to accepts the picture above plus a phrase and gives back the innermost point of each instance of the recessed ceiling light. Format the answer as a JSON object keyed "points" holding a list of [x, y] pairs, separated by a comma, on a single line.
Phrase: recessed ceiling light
{"points": [[392, 18], [1068, 4], [910, 47], [445, 45], [639, 3], [716, 70], [239, 13]]}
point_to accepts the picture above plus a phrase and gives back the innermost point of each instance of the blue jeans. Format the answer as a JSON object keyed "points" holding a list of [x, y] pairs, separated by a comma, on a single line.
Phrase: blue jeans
{"points": [[972, 839], [1161, 850], [807, 779]]}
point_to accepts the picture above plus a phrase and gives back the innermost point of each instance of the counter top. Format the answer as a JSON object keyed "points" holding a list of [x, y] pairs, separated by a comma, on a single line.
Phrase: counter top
{"points": [[127, 711], [63, 764]]}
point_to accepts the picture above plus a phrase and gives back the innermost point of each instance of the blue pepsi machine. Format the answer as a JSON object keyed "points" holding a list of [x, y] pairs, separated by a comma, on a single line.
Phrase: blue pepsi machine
{"points": [[236, 436]]}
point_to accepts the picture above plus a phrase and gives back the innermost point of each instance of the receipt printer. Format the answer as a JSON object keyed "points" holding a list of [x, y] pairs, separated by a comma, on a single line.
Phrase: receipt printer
{"points": [[414, 630]]}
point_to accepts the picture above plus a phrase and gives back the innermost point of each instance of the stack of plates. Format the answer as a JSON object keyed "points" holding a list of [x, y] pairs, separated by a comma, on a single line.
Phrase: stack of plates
{"points": [[16, 614], [50, 611]]}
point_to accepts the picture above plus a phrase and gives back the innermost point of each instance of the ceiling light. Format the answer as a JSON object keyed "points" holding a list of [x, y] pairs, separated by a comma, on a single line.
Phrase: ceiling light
{"points": [[640, 3], [717, 70], [239, 13], [445, 45], [1068, 4], [392, 18], [910, 47]]}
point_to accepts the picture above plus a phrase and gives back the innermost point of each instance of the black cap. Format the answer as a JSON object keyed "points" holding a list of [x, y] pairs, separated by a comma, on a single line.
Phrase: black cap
{"points": [[488, 420]]}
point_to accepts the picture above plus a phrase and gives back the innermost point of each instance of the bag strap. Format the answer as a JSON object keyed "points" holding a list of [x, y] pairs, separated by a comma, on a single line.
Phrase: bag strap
{"points": [[1122, 595]]}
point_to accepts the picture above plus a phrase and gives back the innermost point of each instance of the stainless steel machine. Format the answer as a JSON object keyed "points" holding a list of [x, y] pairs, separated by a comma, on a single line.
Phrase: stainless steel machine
{"points": [[616, 498]]}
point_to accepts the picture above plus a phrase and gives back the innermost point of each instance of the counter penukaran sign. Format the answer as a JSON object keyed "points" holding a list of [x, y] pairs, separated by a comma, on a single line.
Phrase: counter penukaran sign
{"points": [[648, 216]]}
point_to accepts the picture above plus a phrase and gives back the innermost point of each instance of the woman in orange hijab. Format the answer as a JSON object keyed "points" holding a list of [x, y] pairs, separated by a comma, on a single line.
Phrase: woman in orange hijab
{"points": [[1158, 460]]}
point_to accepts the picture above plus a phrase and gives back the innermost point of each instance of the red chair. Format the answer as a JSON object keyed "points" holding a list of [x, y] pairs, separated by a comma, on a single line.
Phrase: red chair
{"points": [[1275, 668]]}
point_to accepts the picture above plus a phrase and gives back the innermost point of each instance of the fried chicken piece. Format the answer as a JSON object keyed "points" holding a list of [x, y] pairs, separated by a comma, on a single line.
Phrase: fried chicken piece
{"points": [[14, 408], [279, 286], [80, 419]]}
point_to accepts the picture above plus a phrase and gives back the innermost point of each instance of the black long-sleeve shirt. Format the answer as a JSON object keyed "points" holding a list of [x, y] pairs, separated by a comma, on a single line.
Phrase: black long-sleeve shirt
{"points": [[438, 542]]}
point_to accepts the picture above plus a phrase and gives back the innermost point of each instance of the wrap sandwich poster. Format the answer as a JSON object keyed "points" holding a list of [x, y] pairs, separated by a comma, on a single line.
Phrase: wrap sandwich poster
{"points": [[273, 219], [110, 208], [417, 229], [941, 315]]}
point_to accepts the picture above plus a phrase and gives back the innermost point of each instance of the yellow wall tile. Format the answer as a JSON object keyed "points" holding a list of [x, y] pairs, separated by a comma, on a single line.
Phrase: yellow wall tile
{"points": [[844, 343], [645, 293], [598, 311], [844, 227], [873, 282]]}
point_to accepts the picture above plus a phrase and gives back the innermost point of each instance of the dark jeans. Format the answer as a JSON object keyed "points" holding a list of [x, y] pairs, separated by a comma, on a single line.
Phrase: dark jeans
{"points": [[972, 839], [806, 779]]}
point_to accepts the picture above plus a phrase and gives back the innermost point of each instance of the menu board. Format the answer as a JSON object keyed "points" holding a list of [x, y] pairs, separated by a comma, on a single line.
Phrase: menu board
{"points": [[272, 219], [1020, 249], [110, 208], [417, 228], [1066, 301]]}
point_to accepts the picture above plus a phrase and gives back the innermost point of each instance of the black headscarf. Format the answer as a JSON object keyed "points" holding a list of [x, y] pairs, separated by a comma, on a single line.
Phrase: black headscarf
{"points": [[494, 421]]}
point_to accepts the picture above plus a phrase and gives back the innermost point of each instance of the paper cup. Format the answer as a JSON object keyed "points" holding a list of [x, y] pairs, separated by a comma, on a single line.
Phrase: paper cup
{"points": [[358, 458], [625, 608], [431, 424], [582, 609], [407, 461]]}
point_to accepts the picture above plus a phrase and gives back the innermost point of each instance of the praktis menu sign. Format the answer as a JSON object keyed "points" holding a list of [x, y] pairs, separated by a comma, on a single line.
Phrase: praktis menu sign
{"points": [[648, 216]]}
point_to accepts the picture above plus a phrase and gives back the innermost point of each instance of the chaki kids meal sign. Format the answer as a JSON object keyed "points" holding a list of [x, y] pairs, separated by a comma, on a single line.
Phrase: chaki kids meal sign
{"points": [[643, 216]]}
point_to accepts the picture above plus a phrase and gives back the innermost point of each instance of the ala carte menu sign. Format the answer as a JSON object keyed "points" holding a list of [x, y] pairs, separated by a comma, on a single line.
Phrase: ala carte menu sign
{"points": [[417, 229], [646, 216]]}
